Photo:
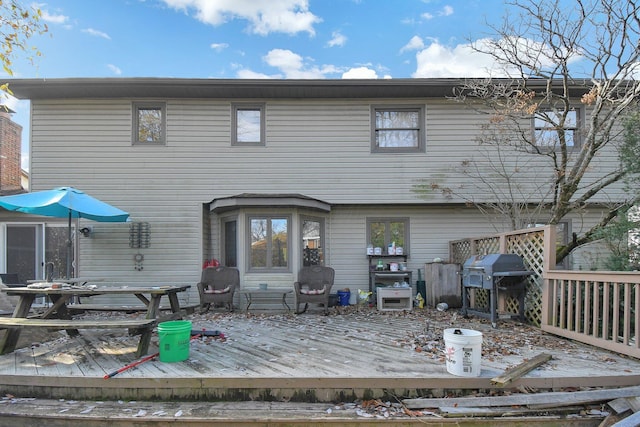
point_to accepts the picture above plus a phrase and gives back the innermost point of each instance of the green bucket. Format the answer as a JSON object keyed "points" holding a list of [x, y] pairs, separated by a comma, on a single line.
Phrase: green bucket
{"points": [[174, 340]]}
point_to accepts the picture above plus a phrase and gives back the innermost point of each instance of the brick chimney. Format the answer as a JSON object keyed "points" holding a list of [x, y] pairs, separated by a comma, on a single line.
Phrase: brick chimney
{"points": [[10, 153]]}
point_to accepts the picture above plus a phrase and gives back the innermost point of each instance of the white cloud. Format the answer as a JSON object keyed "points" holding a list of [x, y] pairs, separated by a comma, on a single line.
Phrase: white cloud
{"points": [[290, 65], [55, 19], [360, 73], [337, 39], [96, 33], [527, 51], [24, 160], [264, 16], [283, 59], [293, 65], [415, 43], [115, 70], [634, 71], [446, 11], [248, 74], [219, 47], [9, 100], [437, 60]]}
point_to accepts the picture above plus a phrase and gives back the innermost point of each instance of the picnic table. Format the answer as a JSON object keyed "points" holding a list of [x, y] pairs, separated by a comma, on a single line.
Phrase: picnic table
{"points": [[58, 315]]}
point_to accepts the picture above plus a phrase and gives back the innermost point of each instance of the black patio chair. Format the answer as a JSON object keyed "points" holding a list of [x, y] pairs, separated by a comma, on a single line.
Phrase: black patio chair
{"points": [[11, 280]]}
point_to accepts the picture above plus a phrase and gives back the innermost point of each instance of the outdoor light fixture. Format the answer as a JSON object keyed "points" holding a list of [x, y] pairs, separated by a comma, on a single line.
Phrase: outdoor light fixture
{"points": [[86, 231]]}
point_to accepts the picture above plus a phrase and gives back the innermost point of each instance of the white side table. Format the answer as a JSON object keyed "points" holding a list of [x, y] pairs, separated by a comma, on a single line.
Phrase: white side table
{"points": [[394, 299]]}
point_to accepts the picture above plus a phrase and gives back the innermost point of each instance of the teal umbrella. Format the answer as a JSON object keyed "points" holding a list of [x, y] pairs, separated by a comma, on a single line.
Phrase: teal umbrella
{"points": [[64, 202]]}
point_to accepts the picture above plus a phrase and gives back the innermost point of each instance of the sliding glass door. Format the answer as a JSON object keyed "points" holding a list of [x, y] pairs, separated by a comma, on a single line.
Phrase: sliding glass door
{"points": [[29, 247]]}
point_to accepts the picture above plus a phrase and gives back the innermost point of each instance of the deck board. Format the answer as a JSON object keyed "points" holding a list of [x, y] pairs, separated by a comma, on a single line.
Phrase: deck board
{"points": [[365, 349]]}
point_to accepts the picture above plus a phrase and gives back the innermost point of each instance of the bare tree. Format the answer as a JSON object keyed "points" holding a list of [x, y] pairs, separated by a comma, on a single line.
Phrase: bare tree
{"points": [[570, 70]]}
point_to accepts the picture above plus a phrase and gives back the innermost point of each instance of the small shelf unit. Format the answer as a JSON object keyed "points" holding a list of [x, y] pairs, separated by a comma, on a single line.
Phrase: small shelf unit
{"points": [[387, 277]]}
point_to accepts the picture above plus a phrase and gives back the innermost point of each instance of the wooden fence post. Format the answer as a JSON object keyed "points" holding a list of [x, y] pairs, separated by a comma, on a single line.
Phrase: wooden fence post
{"points": [[548, 263]]}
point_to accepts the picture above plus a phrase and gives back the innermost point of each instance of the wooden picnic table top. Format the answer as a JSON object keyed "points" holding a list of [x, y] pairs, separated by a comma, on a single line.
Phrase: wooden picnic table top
{"points": [[72, 280], [95, 290]]}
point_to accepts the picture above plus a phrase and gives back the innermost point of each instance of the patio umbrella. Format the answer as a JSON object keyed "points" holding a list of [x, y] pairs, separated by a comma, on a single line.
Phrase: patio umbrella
{"points": [[64, 202]]}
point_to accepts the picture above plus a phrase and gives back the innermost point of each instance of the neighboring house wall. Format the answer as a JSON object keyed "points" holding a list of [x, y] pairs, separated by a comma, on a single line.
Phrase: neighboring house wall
{"points": [[319, 148], [10, 154], [24, 179]]}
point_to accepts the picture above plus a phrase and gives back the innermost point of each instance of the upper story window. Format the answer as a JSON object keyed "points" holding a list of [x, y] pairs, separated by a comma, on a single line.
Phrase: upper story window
{"points": [[397, 129], [381, 232], [269, 243], [149, 123], [247, 127], [549, 126]]}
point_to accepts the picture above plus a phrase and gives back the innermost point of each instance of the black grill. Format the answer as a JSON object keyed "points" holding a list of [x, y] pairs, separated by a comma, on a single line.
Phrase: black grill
{"points": [[494, 272]]}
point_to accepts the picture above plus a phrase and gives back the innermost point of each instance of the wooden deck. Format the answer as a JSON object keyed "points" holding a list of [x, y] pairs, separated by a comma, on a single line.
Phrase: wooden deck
{"points": [[323, 357], [346, 356]]}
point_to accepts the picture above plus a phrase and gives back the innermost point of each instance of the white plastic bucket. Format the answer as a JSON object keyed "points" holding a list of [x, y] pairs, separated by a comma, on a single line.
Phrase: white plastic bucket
{"points": [[463, 350]]}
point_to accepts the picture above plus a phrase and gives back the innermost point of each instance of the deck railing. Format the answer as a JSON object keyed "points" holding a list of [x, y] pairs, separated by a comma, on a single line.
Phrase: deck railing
{"points": [[600, 308]]}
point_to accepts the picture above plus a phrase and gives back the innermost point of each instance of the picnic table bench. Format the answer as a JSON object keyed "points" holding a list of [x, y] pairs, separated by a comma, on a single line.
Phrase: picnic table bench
{"points": [[142, 327], [83, 307]]}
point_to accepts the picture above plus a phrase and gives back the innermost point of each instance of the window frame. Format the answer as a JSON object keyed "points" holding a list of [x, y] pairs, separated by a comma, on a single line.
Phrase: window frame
{"points": [[237, 107], [421, 129], [579, 120], [135, 131], [269, 268], [321, 238], [229, 243], [387, 232]]}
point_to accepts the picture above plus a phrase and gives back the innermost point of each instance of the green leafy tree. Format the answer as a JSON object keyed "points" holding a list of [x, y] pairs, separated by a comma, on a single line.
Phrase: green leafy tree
{"points": [[18, 23], [622, 236]]}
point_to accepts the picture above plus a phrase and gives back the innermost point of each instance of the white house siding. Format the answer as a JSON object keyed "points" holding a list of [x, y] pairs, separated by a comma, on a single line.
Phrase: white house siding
{"points": [[317, 148]]}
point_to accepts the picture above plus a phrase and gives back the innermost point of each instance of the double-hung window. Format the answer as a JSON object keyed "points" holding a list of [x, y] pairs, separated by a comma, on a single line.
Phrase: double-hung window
{"points": [[149, 123], [551, 127], [397, 129], [269, 242], [247, 124]]}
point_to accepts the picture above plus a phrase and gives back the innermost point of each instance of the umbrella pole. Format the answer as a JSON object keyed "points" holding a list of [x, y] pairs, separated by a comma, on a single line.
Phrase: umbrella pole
{"points": [[69, 249]]}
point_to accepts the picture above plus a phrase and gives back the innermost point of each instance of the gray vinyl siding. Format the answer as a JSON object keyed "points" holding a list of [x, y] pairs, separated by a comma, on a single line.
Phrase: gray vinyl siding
{"points": [[316, 148]]}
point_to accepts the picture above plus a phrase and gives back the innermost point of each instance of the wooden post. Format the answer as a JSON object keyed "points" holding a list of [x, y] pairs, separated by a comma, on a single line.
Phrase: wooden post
{"points": [[548, 263]]}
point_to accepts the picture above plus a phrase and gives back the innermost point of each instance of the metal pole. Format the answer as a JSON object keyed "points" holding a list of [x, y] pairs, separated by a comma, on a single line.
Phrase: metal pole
{"points": [[69, 249]]}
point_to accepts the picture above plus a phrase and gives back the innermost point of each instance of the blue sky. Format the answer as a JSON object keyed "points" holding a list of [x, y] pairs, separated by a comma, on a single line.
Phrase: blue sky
{"points": [[287, 39]]}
